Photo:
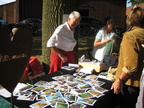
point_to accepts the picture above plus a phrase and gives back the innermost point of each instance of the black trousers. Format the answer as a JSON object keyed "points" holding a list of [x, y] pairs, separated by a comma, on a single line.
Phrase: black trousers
{"points": [[126, 99]]}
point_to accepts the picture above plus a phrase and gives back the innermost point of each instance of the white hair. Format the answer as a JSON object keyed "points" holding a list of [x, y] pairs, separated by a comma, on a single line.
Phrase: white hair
{"points": [[74, 14], [14, 29]]}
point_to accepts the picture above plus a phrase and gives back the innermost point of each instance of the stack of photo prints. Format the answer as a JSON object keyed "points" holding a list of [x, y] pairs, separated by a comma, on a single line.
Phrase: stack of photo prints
{"points": [[66, 91]]}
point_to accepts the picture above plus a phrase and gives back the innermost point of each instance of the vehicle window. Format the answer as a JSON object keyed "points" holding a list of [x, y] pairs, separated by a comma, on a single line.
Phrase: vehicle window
{"points": [[26, 21], [94, 21]]}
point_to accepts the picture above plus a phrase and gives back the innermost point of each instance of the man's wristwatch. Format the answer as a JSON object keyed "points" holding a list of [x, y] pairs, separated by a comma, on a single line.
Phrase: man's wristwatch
{"points": [[122, 81]]}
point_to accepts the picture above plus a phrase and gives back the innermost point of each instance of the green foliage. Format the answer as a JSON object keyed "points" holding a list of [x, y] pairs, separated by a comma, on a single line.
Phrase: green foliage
{"points": [[134, 2]]}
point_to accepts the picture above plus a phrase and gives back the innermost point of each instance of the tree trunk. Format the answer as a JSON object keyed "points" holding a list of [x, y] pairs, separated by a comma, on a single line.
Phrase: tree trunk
{"points": [[53, 11]]}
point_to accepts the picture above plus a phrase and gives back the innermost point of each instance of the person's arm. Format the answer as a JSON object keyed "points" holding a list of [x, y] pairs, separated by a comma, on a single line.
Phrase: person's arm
{"points": [[116, 86], [63, 57], [98, 40], [98, 43]]}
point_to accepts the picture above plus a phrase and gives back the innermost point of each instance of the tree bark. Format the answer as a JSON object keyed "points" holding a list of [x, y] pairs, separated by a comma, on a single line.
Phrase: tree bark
{"points": [[53, 11]]}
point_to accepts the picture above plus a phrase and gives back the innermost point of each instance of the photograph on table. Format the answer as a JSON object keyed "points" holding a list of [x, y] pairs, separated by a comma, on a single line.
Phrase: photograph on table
{"points": [[40, 97], [27, 98], [62, 105], [95, 93], [90, 102], [70, 97], [77, 105], [85, 95], [40, 104], [53, 102], [53, 96]]}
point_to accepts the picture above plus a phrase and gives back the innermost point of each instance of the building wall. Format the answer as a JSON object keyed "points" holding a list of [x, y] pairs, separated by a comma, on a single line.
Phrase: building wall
{"points": [[103, 8], [22, 9], [8, 12], [29, 9]]}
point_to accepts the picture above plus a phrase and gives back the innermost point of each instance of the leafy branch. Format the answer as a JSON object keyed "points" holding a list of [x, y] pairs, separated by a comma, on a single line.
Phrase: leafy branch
{"points": [[134, 2]]}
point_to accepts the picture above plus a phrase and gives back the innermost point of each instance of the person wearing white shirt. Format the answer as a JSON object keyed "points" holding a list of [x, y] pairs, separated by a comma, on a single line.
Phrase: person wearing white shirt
{"points": [[62, 43], [103, 40]]}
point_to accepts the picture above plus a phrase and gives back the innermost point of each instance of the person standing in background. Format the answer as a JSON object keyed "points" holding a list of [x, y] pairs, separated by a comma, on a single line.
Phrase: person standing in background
{"points": [[14, 30], [62, 43], [130, 63], [103, 41]]}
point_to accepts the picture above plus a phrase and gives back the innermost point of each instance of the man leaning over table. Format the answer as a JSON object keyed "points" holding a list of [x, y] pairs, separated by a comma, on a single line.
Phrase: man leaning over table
{"points": [[62, 43]]}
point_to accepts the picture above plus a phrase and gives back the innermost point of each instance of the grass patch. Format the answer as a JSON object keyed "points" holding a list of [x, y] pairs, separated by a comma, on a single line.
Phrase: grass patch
{"points": [[84, 43]]}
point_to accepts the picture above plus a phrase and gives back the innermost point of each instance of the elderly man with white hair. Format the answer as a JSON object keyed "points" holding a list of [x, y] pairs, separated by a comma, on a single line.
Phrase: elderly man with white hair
{"points": [[62, 43]]}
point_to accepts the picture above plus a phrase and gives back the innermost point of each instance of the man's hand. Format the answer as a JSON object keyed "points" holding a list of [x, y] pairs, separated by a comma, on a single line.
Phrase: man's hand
{"points": [[63, 58], [116, 86]]}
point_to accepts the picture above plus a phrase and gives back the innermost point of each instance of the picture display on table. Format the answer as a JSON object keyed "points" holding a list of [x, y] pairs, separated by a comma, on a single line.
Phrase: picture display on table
{"points": [[66, 91]]}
